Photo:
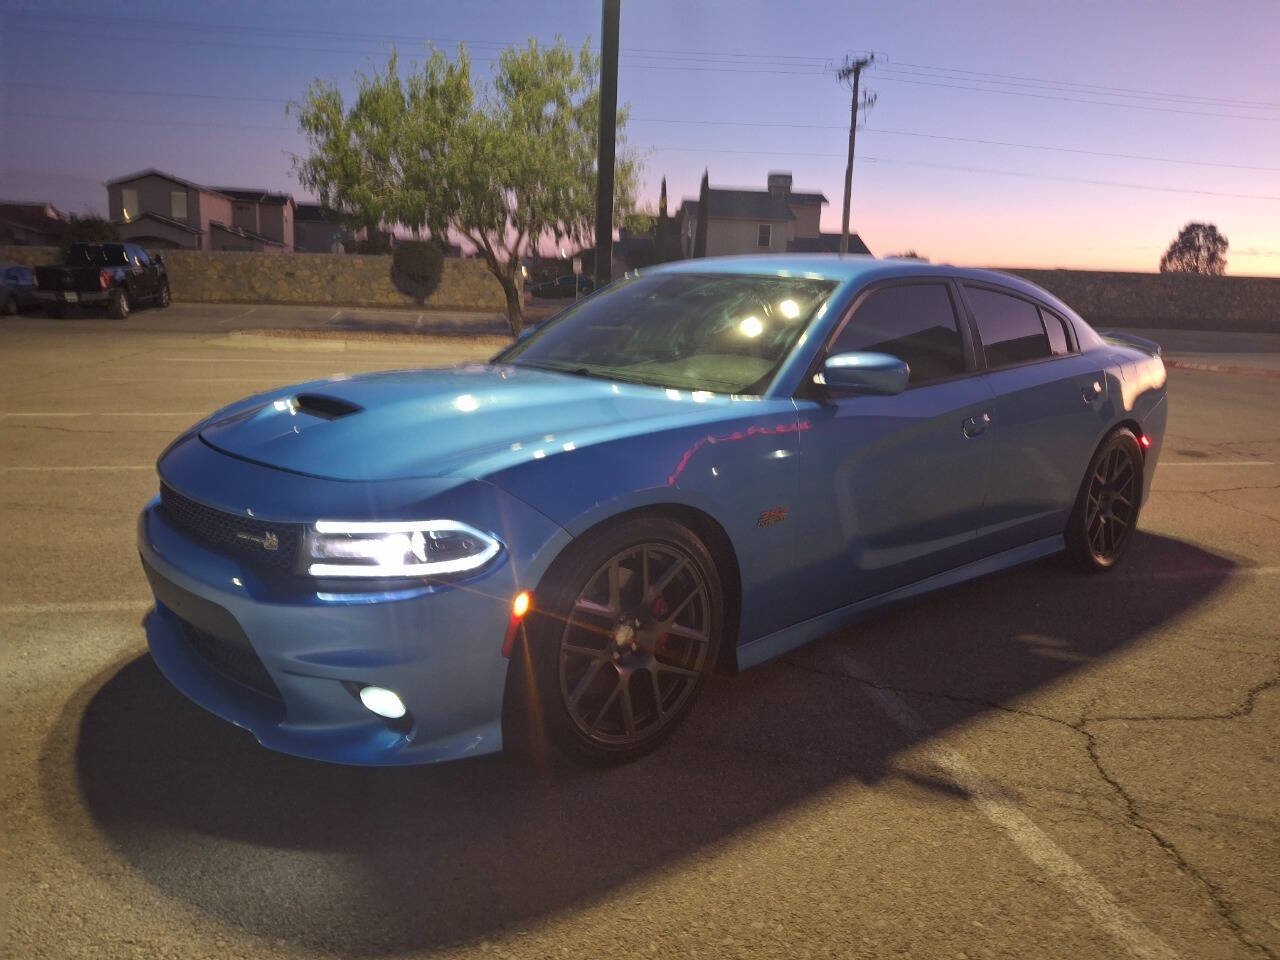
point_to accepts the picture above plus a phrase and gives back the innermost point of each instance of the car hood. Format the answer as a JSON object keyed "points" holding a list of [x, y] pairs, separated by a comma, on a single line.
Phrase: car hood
{"points": [[461, 421]]}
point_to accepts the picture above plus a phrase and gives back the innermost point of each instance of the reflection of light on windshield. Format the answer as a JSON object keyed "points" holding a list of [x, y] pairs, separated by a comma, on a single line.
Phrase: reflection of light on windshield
{"points": [[673, 394], [700, 396], [466, 403], [539, 454], [751, 327], [570, 446], [789, 309]]}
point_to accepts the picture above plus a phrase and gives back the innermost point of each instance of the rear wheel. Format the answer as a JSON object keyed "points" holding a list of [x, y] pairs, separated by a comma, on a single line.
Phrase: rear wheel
{"points": [[118, 305], [625, 631], [162, 298], [11, 305], [1105, 516]]}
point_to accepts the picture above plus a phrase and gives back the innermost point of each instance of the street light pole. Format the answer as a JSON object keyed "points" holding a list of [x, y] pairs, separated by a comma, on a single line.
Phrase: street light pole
{"points": [[606, 140]]}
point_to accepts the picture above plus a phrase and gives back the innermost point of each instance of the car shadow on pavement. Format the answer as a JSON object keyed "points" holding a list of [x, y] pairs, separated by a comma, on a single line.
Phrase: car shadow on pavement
{"points": [[370, 862]]}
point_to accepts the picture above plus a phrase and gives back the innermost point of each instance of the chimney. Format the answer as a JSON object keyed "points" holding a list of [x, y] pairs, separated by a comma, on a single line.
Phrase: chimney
{"points": [[779, 184]]}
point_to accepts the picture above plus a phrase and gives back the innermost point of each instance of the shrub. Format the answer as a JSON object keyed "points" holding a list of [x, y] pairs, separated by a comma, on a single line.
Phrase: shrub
{"points": [[416, 268]]}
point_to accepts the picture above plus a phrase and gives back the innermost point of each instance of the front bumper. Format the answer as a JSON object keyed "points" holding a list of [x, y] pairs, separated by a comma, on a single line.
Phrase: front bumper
{"points": [[437, 646]]}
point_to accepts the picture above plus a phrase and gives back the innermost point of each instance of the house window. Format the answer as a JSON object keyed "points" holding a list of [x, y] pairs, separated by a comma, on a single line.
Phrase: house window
{"points": [[764, 235], [128, 203], [178, 204]]}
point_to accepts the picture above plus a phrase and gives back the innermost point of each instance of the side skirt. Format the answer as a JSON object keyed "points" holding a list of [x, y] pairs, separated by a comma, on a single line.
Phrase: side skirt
{"points": [[766, 648]]}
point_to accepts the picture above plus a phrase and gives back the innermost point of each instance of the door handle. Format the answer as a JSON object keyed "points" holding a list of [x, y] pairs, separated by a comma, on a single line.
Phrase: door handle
{"points": [[1091, 392], [976, 424]]}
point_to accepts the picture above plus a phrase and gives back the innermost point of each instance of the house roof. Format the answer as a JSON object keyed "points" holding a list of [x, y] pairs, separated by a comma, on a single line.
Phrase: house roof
{"points": [[34, 210], [808, 197], [735, 204], [255, 195], [241, 232], [315, 213], [153, 172], [825, 243], [167, 221]]}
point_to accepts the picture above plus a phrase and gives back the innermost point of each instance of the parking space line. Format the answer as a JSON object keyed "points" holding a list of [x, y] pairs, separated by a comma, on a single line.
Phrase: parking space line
{"points": [[238, 316], [252, 378], [1031, 841], [40, 414], [1215, 463], [91, 606], [78, 468]]}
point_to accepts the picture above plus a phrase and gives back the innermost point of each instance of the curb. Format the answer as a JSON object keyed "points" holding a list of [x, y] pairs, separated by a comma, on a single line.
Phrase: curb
{"points": [[268, 340], [1258, 372]]}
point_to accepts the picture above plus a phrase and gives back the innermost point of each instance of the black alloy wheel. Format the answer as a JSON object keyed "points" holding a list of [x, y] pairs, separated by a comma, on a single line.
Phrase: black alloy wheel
{"points": [[162, 298], [623, 636], [1106, 511]]}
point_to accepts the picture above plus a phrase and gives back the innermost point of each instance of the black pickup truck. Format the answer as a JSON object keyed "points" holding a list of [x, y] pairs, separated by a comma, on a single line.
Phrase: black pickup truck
{"points": [[117, 275]]}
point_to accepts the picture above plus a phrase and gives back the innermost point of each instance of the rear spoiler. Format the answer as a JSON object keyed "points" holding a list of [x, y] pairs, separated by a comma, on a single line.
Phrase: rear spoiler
{"points": [[1129, 340]]}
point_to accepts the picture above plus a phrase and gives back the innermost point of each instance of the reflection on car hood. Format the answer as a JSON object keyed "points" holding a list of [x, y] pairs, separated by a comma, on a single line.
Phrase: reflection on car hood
{"points": [[459, 421]]}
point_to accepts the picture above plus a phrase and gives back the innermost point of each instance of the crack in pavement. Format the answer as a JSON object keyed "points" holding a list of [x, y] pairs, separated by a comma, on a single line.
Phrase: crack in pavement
{"points": [[1133, 817]]}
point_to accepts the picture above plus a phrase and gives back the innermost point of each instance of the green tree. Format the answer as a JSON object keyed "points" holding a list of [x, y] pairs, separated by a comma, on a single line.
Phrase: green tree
{"points": [[700, 231], [90, 229], [508, 168], [1198, 248]]}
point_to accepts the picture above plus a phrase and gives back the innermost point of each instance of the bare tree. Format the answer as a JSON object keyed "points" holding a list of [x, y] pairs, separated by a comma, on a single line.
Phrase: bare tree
{"points": [[1198, 248]]}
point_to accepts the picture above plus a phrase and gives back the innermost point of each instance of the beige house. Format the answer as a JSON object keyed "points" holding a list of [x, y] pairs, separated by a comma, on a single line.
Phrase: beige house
{"points": [[270, 215], [774, 220], [161, 211]]}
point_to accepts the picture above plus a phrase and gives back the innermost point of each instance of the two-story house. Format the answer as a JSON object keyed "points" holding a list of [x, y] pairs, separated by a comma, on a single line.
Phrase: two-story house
{"points": [[266, 214], [774, 220], [162, 211]]}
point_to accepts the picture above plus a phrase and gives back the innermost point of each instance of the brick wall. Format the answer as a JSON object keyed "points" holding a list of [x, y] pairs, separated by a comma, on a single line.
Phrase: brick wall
{"points": [[313, 278]]}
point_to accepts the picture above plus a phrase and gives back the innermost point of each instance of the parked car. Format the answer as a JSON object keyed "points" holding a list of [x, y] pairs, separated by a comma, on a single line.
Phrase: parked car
{"points": [[118, 276], [17, 288], [707, 464], [569, 285]]}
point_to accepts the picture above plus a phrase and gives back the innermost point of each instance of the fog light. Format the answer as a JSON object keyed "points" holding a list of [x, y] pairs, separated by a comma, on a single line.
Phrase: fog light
{"points": [[383, 702]]}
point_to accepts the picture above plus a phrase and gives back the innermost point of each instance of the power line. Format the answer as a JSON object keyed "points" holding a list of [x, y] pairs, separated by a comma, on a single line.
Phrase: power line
{"points": [[818, 64], [661, 149], [781, 124]]}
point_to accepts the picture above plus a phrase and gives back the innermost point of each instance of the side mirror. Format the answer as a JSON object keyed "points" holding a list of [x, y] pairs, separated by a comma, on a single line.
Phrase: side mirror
{"points": [[863, 372]]}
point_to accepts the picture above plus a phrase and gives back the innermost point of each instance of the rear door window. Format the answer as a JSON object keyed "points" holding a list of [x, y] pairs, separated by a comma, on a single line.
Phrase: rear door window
{"points": [[1056, 328], [1009, 326]]}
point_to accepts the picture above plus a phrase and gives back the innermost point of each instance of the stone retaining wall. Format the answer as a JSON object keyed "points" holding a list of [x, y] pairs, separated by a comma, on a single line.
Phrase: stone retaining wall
{"points": [[1105, 299], [304, 278]]}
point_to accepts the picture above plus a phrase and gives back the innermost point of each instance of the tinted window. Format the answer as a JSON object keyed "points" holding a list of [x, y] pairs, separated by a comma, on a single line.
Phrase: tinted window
{"points": [[1056, 328], [1010, 327], [97, 255], [719, 332], [915, 323]]}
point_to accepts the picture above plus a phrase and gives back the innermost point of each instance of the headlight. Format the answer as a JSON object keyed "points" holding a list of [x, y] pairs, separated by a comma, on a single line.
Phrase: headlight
{"points": [[410, 548]]}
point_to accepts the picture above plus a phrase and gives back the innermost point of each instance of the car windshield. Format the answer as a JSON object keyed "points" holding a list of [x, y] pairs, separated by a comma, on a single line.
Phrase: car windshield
{"points": [[725, 333], [97, 255]]}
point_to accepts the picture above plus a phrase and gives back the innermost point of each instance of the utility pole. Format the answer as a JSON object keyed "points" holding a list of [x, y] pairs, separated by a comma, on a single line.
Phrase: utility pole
{"points": [[852, 69], [607, 139]]}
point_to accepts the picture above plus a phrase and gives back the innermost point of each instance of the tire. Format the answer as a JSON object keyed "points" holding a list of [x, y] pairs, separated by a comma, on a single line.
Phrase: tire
{"points": [[118, 305], [162, 298], [11, 305], [615, 670], [1105, 514]]}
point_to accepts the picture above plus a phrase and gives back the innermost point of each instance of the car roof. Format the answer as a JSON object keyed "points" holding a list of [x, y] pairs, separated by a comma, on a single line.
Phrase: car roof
{"points": [[853, 269]]}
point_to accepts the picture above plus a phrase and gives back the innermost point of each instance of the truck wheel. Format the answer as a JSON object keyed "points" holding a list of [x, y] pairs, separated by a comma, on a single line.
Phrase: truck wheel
{"points": [[11, 305], [118, 306], [162, 298]]}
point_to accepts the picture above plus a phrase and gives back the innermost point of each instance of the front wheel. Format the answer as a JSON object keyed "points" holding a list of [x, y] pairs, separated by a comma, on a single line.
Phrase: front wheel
{"points": [[162, 298], [11, 305], [624, 632], [118, 305], [1101, 525]]}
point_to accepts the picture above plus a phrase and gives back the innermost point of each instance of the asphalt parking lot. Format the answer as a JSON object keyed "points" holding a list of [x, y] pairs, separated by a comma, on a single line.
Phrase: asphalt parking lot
{"points": [[1038, 764]]}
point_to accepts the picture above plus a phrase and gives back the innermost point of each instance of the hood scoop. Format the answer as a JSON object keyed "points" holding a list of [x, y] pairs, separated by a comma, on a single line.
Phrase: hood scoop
{"points": [[324, 407]]}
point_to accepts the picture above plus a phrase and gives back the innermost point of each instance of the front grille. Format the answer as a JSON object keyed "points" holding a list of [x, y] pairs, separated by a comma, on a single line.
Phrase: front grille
{"points": [[232, 657], [270, 547]]}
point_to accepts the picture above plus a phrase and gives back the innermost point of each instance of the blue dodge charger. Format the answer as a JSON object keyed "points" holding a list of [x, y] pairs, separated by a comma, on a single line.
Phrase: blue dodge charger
{"points": [[701, 465]]}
